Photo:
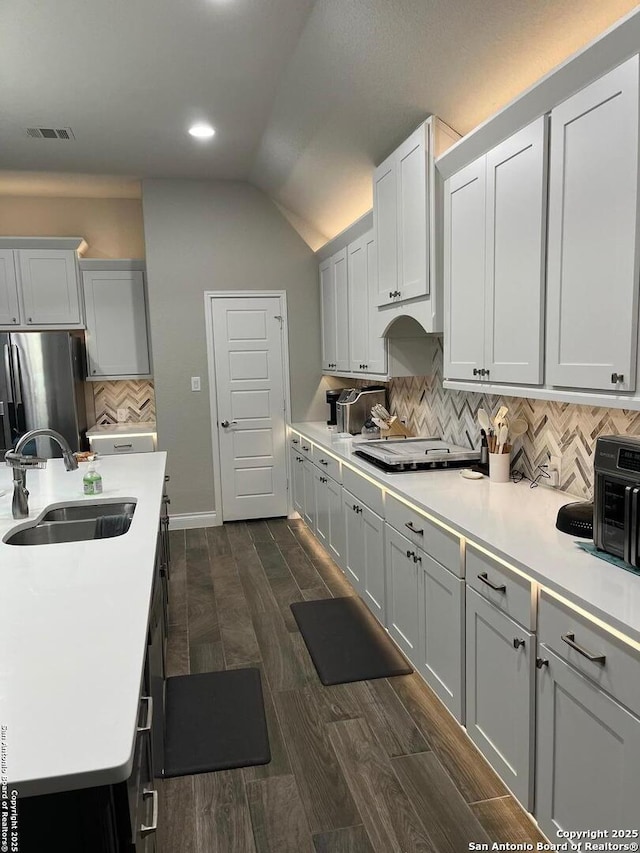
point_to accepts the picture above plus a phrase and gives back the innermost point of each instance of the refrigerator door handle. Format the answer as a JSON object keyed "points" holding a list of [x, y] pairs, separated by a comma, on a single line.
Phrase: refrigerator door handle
{"points": [[9, 373], [17, 375]]}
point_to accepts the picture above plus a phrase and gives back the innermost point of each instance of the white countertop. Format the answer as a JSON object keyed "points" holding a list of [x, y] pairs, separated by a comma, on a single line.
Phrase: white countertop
{"points": [[142, 428], [514, 522], [73, 631]]}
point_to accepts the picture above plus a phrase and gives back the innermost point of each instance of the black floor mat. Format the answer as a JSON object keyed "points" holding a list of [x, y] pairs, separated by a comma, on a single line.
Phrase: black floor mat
{"points": [[345, 641], [215, 721]]}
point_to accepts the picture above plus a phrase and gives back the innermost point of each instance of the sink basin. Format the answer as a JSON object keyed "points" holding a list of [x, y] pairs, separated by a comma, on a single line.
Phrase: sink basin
{"points": [[75, 523], [84, 511]]}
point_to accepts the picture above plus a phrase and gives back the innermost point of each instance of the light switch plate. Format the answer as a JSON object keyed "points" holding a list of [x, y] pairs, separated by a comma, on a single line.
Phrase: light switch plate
{"points": [[195, 383]]}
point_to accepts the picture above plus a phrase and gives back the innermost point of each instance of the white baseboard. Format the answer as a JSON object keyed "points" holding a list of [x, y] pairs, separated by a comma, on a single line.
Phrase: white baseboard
{"points": [[189, 520]]}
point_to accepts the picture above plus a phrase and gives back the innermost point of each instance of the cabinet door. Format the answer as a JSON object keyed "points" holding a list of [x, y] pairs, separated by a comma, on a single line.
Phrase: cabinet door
{"points": [[9, 306], [309, 506], [442, 644], [354, 539], [588, 753], [464, 271], [373, 585], [117, 341], [500, 666], [413, 233], [376, 361], [322, 507], [340, 283], [336, 544], [592, 282], [516, 223], [403, 599], [385, 227], [358, 305], [49, 280], [297, 479], [328, 313]]}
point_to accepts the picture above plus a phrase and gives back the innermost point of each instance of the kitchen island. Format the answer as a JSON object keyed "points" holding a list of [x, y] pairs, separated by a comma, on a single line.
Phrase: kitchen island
{"points": [[74, 630]]}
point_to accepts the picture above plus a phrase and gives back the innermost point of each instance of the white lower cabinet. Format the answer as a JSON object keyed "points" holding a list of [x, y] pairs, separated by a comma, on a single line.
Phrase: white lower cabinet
{"points": [[329, 517], [364, 553], [297, 481], [588, 753], [442, 644], [500, 670], [404, 568], [309, 491]]}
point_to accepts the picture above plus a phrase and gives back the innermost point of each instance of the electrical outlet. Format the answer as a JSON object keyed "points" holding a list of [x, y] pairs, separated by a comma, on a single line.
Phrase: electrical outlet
{"points": [[122, 416], [554, 469]]}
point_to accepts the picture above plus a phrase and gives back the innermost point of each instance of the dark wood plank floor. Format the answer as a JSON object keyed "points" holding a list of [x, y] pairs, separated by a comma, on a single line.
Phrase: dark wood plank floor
{"points": [[370, 767]]}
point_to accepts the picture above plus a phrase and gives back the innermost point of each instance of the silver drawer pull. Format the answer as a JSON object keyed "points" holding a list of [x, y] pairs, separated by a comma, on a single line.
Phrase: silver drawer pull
{"points": [[122, 446], [145, 830], [570, 640], [304, 447], [149, 720], [483, 576], [409, 525], [323, 461]]}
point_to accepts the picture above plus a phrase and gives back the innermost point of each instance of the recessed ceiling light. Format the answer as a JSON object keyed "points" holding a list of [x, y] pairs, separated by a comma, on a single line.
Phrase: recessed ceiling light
{"points": [[202, 131]]}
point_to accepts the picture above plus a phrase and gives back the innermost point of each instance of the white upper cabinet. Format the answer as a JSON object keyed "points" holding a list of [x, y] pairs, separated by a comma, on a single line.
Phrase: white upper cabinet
{"points": [[494, 250], [117, 340], [9, 305], [413, 236], [367, 350], [592, 281], [516, 224], [404, 216], [464, 271], [334, 300], [49, 280]]}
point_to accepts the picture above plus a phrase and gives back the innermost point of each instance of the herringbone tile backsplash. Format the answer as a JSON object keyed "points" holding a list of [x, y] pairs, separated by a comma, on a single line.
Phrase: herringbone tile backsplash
{"points": [[137, 397], [561, 429]]}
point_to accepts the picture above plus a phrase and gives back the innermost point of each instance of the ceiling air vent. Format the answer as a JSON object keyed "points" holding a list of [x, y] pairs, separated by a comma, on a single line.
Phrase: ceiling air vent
{"points": [[50, 133]]}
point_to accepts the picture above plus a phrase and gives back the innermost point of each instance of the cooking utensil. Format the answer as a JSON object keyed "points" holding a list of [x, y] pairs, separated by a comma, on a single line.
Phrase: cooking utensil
{"points": [[499, 418], [483, 420], [503, 435], [517, 428]]}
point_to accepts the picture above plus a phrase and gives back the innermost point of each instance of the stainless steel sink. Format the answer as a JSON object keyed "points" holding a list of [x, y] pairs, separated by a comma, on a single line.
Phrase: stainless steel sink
{"points": [[84, 511], [75, 523]]}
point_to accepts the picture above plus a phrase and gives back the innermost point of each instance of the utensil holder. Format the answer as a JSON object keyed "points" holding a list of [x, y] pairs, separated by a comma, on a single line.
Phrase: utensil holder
{"points": [[499, 467]]}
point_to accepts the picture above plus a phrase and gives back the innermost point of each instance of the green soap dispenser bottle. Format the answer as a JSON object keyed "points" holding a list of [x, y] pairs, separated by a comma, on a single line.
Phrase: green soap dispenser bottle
{"points": [[92, 481]]}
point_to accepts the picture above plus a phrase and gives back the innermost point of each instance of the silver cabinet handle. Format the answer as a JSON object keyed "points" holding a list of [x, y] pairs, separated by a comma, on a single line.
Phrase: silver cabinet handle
{"points": [[149, 719], [122, 446], [323, 461], [540, 662], [167, 477], [485, 579], [304, 446], [410, 554], [617, 377], [409, 525], [570, 640], [517, 642], [294, 441], [145, 830]]}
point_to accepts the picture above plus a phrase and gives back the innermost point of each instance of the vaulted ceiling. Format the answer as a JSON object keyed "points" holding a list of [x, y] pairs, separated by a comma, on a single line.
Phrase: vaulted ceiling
{"points": [[306, 96]]}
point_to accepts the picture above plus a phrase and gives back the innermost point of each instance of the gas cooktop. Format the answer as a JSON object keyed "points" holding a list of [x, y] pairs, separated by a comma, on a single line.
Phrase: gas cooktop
{"points": [[415, 454]]}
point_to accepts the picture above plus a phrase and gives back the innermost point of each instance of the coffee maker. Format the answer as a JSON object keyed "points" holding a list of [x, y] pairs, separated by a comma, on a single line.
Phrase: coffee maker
{"points": [[332, 400]]}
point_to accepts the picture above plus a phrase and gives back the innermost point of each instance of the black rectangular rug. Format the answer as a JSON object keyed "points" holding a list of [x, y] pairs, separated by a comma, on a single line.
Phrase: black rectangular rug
{"points": [[346, 642], [215, 721]]}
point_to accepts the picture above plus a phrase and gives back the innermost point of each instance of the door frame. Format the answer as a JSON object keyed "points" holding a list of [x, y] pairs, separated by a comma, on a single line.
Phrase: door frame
{"points": [[209, 301]]}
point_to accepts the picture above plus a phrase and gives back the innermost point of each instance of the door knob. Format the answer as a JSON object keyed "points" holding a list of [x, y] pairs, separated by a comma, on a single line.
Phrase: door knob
{"points": [[225, 424]]}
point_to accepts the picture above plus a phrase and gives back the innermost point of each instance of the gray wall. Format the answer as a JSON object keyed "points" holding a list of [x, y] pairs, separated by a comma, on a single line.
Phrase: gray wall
{"points": [[218, 235]]}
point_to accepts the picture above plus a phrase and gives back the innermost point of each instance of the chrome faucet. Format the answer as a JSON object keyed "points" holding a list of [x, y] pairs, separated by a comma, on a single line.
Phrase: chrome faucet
{"points": [[21, 464]]}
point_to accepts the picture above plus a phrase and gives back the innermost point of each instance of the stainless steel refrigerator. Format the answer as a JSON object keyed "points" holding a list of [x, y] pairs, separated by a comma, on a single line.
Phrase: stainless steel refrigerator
{"points": [[42, 385]]}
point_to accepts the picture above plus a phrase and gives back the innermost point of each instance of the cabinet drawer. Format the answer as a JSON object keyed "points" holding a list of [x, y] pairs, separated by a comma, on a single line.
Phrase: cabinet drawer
{"points": [[370, 494], [617, 666], [301, 445], [510, 592], [431, 538], [327, 464], [109, 445]]}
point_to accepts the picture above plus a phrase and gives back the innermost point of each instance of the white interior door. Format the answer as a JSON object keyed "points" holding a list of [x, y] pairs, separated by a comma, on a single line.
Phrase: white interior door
{"points": [[250, 393]]}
